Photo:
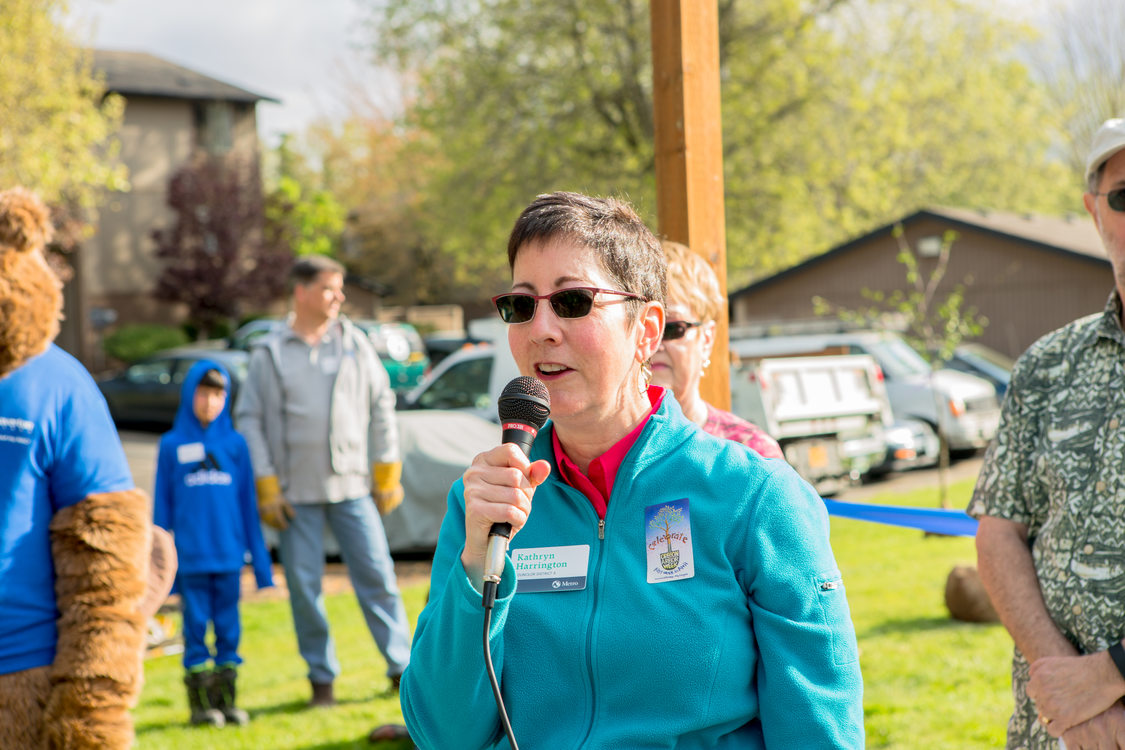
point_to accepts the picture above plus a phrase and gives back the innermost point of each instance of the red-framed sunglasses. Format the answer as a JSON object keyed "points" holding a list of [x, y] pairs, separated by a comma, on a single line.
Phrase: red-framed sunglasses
{"points": [[572, 302]]}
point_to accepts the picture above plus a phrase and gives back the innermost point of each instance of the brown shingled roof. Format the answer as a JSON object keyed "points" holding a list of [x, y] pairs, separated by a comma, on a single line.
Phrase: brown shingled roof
{"points": [[1075, 233], [140, 73]]}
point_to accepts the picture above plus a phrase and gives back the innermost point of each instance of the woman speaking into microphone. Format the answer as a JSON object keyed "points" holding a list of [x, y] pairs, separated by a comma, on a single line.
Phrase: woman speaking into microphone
{"points": [[663, 588]]}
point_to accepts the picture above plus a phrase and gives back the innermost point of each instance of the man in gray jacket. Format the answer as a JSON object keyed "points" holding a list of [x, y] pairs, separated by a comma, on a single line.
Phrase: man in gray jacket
{"points": [[317, 411]]}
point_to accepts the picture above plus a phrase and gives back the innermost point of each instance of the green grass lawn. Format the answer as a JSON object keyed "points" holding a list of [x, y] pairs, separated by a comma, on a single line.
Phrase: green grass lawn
{"points": [[930, 681], [274, 689]]}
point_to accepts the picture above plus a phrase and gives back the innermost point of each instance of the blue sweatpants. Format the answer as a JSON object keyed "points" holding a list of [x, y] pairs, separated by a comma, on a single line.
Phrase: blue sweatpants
{"points": [[210, 598]]}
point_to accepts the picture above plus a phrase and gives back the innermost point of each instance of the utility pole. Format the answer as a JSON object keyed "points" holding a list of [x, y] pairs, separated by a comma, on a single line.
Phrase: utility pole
{"points": [[689, 152]]}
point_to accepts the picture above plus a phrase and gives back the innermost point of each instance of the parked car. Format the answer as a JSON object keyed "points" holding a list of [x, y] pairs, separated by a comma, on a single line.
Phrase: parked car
{"points": [[467, 381], [147, 392], [436, 447], [398, 345], [911, 444], [441, 345], [962, 408], [249, 332], [401, 350], [979, 360]]}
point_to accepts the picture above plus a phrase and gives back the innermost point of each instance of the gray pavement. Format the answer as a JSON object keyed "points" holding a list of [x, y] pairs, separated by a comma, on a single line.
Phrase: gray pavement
{"points": [[908, 481]]}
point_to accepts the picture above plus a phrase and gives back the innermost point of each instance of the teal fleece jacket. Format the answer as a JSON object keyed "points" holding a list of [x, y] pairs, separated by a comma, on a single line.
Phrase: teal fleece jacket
{"points": [[756, 649]]}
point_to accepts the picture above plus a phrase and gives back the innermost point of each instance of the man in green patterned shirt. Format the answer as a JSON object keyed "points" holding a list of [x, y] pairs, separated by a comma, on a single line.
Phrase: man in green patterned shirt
{"points": [[1051, 503]]}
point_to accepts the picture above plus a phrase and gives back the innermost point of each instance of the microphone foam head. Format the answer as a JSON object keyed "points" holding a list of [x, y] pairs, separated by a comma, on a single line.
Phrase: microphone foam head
{"points": [[525, 400]]}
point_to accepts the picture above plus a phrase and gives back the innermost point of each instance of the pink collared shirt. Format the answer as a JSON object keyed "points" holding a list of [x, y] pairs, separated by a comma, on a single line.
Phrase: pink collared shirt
{"points": [[597, 484]]}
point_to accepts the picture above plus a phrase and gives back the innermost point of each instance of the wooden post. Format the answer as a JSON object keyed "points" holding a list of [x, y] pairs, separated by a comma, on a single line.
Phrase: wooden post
{"points": [[689, 151]]}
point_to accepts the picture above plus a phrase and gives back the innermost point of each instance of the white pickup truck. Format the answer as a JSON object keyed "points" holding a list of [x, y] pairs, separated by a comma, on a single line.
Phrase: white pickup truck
{"points": [[828, 413], [961, 408]]}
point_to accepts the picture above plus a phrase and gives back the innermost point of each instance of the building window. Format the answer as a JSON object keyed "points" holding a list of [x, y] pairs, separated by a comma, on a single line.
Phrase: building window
{"points": [[214, 126]]}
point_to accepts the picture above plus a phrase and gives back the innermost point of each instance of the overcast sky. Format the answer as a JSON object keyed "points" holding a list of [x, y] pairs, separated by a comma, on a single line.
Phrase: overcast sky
{"points": [[302, 52]]}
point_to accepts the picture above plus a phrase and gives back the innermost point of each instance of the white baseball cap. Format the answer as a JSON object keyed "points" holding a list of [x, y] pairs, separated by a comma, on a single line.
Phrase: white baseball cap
{"points": [[1109, 139]]}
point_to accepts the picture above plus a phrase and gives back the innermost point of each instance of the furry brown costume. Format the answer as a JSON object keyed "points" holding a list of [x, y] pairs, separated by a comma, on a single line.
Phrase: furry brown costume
{"points": [[100, 545], [30, 294]]}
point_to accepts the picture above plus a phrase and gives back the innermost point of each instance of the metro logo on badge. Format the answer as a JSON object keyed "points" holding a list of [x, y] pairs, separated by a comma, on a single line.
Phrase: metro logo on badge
{"points": [[668, 541]]}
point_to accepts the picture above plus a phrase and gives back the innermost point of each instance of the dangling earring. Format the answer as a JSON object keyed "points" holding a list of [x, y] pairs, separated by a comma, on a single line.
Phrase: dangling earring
{"points": [[706, 364], [645, 377]]}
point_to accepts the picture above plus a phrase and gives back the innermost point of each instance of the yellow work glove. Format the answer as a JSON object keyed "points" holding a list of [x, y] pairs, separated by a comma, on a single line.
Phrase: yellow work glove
{"points": [[274, 510], [386, 486]]}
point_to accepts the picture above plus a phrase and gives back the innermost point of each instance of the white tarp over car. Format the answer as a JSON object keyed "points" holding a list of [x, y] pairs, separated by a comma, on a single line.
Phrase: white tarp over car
{"points": [[437, 446]]}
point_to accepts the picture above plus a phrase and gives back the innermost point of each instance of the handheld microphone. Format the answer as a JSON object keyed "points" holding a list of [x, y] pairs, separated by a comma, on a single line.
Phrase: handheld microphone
{"points": [[523, 407]]}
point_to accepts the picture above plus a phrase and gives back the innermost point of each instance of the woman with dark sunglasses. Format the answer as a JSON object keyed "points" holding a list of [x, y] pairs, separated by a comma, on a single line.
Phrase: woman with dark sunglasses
{"points": [[693, 306], [663, 588]]}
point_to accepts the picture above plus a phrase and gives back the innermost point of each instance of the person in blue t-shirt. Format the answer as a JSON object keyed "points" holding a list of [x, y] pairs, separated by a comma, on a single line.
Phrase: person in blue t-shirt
{"points": [[75, 532], [205, 496]]}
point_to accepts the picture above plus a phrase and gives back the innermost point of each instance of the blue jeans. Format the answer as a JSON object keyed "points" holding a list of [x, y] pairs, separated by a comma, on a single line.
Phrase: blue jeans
{"points": [[210, 598], [363, 545]]}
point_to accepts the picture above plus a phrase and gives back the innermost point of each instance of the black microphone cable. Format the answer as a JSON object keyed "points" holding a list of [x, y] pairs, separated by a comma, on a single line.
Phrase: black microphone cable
{"points": [[523, 407], [490, 599]]}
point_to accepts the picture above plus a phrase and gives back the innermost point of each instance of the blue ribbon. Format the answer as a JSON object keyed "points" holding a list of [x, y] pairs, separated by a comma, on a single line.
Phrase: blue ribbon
{"points": [[935, 520]]}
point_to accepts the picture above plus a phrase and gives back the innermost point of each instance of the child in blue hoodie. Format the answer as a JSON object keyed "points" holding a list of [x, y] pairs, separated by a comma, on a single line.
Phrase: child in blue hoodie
{"points": [[205, 496]]}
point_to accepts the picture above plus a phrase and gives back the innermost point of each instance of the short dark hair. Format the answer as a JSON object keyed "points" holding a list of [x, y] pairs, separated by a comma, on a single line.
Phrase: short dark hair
{"points": [[306, 268], [213, 379], [628, 250]]}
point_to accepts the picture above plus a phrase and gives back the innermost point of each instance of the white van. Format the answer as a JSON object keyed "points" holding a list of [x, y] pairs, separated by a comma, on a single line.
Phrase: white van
{"points": [[962, 408]]}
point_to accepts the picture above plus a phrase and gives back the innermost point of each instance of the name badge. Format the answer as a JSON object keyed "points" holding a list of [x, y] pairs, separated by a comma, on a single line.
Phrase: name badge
{"points": [[190, 453], [551, 569], [668, 541]]}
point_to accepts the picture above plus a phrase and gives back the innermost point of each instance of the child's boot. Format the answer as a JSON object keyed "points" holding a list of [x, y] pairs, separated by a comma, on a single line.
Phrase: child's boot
{"points": [[223, 695], [198, 683]]}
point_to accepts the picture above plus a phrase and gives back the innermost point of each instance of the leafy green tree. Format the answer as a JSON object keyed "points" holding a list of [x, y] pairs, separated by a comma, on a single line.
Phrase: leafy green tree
{"points": [[129, 343], [299, 213], [515, 99], [220, 260], [309, 221], [56, 122], [377, 171], [934, 325], [838, 116], [1081, 62], [928, 104]]}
